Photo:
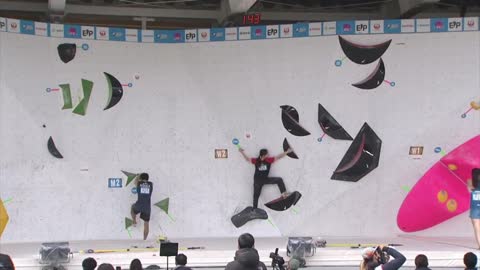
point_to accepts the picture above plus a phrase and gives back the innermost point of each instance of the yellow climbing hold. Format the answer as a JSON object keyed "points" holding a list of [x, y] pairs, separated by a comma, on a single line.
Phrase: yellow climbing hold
{"points": [[442, 196], [452, 167], [3, 218], [452, 205]]}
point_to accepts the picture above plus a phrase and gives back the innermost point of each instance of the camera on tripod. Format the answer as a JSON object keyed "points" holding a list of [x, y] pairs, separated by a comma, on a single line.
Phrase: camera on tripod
{"points": [[277, 260]]}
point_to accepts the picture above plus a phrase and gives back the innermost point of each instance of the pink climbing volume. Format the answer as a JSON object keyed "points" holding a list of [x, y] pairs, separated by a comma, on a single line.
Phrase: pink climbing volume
{"points": [[441, 193]]}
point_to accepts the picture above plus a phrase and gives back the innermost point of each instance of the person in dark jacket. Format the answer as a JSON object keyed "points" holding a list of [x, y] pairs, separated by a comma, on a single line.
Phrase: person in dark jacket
{"points": [[421, 262], [181, 261], [6, 262], [470, 261], [372, 258], [246, 257], [89, 264]]}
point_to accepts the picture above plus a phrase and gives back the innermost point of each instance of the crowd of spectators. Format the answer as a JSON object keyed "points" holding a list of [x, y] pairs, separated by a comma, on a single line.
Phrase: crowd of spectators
{"points": [[247, 258]]}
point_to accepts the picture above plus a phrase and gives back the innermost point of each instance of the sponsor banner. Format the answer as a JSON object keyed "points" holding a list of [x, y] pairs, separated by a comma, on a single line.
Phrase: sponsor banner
{"points": [[3, 24], [191, 35], [272, 31], [56, 30], [169, 36], [286, 30], [422, 25], [244, 32], [361, 27], [439, 25], [41, 29], [131, 35], [408, 26], [300, 30], [469, 24], [219, 34], [116, 34], [72, 31], [231, 33], [377, 26], [329, 28], [259, 32], [204, 35], [455, 24], [315, 29], [27, 27], [13, 25], [88, 32], [147, 35], [101, 33], [345, 27], [392, 26]]}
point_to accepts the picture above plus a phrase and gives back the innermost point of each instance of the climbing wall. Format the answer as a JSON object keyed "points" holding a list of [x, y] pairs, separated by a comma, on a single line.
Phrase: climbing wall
{"points": [[351, 108]]}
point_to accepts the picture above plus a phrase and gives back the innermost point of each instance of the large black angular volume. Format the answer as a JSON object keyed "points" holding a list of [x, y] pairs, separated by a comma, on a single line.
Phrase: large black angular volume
{"points": [[361, 157]]}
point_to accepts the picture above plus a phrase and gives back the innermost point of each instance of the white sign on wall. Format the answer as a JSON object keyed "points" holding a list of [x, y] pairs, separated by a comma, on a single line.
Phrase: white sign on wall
{"points": [[56, 30], [203, 35]]}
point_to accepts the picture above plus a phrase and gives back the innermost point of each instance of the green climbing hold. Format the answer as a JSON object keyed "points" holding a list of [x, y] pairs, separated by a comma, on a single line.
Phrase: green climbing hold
{"points": [[163, 204], [67, 96], [130, 176], [128, 223], [81, 108]]}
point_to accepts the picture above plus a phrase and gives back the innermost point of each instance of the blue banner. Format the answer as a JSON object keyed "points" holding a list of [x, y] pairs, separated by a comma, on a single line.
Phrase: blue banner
{"points": [[259, 32], [169, 36], [27, 27], [300, 30], [349, 27], [217, 34], [72, 31], [116, 34], [439, 25], [345, 27], [392, 26]]}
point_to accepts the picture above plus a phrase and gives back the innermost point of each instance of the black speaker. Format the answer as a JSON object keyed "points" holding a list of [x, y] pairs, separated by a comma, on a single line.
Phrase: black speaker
{"points": [[168, 249]]}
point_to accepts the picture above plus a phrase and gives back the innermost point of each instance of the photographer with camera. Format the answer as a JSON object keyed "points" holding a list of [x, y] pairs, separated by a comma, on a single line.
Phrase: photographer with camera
{"points": [[246, 257], [374, 257]]}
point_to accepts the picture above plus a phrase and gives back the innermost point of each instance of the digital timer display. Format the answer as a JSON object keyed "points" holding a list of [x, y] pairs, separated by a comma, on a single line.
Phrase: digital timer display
{"points": [[251, 18]]}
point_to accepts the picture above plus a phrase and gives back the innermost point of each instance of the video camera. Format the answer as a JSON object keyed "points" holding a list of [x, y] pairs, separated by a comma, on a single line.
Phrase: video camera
{"points": [[277, 260], [382, 257]]}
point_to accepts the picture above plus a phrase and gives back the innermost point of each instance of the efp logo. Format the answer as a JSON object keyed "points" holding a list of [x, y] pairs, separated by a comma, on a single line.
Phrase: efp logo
{"points": [[272, 32], [454, 25], [361, 27], [2, 25], [192, 36], [87, 33]]}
